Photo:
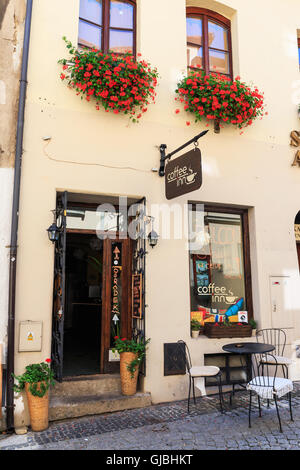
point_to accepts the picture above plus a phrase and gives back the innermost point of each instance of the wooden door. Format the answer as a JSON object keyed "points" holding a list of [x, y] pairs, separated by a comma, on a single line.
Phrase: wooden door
{"points": [[116, 298]]}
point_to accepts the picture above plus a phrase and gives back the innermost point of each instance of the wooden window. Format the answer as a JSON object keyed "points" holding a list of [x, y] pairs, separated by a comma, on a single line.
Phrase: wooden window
{"points": [[108, 25], [219, 257], [208, 41]]}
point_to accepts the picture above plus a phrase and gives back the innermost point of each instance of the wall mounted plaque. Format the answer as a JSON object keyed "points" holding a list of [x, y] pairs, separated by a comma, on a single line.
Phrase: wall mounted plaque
{"points": [[137, 296], [184, 174]]}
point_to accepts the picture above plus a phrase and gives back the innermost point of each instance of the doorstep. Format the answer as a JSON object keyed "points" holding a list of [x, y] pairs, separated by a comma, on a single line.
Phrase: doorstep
{"points": [[93, 395]]}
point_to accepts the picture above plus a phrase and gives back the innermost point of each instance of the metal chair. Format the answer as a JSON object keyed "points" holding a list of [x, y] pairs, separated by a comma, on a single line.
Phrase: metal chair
{"points": [[276, 337], [268, 386], [198, 372]]}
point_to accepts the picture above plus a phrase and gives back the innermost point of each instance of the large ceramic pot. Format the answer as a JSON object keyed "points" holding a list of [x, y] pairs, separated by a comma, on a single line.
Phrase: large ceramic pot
{"points": [[38, 409], [128, 383]]}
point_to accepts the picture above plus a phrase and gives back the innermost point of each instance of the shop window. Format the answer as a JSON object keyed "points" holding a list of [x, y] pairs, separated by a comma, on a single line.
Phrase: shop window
{"points": [[107, 25], [208, 42], [220, 276]]}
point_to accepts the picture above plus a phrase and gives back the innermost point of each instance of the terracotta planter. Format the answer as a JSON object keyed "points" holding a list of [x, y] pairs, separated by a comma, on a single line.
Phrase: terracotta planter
{"points": [[38, 410], [213, 331], [128, 383]]}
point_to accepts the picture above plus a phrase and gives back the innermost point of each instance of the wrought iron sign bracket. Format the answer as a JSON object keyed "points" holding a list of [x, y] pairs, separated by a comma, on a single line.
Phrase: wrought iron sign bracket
{"points": [[164, 157]]}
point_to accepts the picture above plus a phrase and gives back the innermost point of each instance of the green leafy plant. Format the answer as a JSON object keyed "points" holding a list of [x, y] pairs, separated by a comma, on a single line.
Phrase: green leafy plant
{"points": [[130, 345], [195, 325], [118, 82], [35, 374], [253, 323]]}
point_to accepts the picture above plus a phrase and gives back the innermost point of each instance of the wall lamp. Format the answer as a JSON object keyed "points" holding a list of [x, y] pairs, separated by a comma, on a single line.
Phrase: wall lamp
{"points": [[54, 230], [152, 236]]}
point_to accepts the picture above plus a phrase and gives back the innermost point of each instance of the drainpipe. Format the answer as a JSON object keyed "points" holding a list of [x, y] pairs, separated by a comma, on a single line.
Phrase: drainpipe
{"points": [[15, 221]]}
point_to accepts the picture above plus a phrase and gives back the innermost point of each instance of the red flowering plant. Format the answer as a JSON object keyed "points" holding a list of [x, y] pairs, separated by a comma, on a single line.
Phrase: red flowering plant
{"points": [[38, 376], [119, 83], [216, 97]]}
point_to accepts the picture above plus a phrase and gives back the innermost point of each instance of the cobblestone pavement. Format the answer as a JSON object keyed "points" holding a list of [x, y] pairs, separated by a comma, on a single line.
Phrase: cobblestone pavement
{"points": [[169, 427]]}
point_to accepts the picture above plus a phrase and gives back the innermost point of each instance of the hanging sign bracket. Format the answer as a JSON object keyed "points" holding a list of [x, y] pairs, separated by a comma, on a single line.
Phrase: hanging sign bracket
{"points": [[164, 157]]}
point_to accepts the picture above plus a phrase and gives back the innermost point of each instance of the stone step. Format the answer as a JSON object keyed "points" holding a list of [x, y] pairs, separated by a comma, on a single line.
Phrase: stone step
{"points": [[64, 407], [87, 385]]}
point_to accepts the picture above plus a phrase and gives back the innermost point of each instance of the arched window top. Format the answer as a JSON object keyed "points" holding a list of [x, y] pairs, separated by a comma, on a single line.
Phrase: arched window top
{"points": [[209, 41], [108, 25]]}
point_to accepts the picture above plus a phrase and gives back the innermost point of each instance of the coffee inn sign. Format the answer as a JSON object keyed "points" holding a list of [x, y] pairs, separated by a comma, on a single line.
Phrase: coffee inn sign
{"points": [[184, 174]]}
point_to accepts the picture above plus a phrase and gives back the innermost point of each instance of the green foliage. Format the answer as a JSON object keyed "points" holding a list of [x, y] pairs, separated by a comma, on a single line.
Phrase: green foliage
{"points": [[195, 325], [253, 324], [34, 374], [130, 345]]}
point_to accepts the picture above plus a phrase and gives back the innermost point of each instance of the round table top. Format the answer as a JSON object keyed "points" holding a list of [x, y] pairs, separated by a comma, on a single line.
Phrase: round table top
{"points": [[248, 348]]}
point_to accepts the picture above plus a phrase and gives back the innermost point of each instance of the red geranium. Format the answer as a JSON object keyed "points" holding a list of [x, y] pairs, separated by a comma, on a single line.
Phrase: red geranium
{"points": [[118, 82], [221, 99]]}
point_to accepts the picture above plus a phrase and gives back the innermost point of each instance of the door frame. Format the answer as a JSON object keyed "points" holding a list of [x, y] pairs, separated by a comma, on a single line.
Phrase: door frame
{"points": [[126, 279]]}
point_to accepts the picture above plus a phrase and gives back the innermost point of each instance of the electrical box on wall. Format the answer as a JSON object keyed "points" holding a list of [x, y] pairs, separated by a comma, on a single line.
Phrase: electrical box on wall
{"points": [[280, 302], [30, 336]]}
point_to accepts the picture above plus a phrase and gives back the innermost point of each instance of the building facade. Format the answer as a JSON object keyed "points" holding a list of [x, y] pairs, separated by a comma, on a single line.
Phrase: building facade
{"points": [[77, 158]]}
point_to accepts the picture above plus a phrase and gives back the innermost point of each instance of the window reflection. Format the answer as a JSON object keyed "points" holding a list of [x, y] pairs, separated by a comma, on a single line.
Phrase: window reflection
{"points": [[218, 36], [121, 15], [91, 10], [121, 41], [89, 35], [194, 31], [219, 62]]}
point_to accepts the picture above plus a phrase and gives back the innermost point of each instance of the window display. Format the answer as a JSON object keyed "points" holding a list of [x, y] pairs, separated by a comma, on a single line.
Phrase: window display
{"points": [[217, 265]]}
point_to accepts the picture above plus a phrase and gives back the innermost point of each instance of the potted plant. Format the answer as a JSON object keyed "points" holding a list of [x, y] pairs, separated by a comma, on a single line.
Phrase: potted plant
{"points": [[195, 328], [131, 354], [118, 82], [220, 99], [253, 324], [227, 329], [36, 380]]}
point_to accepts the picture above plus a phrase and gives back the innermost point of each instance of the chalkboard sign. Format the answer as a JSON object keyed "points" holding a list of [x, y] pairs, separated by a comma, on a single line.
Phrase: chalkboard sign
{"points": [[137, 296]]}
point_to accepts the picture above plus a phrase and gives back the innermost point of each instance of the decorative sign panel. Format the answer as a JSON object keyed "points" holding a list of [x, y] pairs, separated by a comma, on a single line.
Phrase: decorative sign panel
{"points": [[184, 174], [137, 295]]}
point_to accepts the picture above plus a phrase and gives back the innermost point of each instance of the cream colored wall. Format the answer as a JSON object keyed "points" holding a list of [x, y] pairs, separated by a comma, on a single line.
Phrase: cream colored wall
{"points": [[252, 170]]}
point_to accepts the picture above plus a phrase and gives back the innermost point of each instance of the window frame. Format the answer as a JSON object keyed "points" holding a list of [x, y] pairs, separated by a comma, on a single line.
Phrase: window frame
{"points": [[206, 15], [246, 247], [106, 28]]}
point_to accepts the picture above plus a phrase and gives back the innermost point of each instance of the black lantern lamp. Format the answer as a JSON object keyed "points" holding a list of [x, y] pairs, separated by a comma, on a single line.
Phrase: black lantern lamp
{"points": [[53, 233], [54, 230], [153, 238]]}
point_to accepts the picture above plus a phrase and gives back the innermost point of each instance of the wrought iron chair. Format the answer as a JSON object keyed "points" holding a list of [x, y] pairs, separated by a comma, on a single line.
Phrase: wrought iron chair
{"points": [[198, 372], [276, 337], [268, 386]]}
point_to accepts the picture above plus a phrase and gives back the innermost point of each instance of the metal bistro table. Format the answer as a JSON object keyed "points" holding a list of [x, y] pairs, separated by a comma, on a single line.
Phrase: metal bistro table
{"points": [[246, 349]]}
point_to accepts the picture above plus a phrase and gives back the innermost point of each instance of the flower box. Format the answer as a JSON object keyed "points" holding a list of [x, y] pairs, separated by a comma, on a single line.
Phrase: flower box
{"points": [[211, 330]]}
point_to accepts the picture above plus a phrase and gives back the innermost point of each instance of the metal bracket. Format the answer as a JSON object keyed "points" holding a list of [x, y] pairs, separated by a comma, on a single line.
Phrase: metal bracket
{"points": [[164, 157]]}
